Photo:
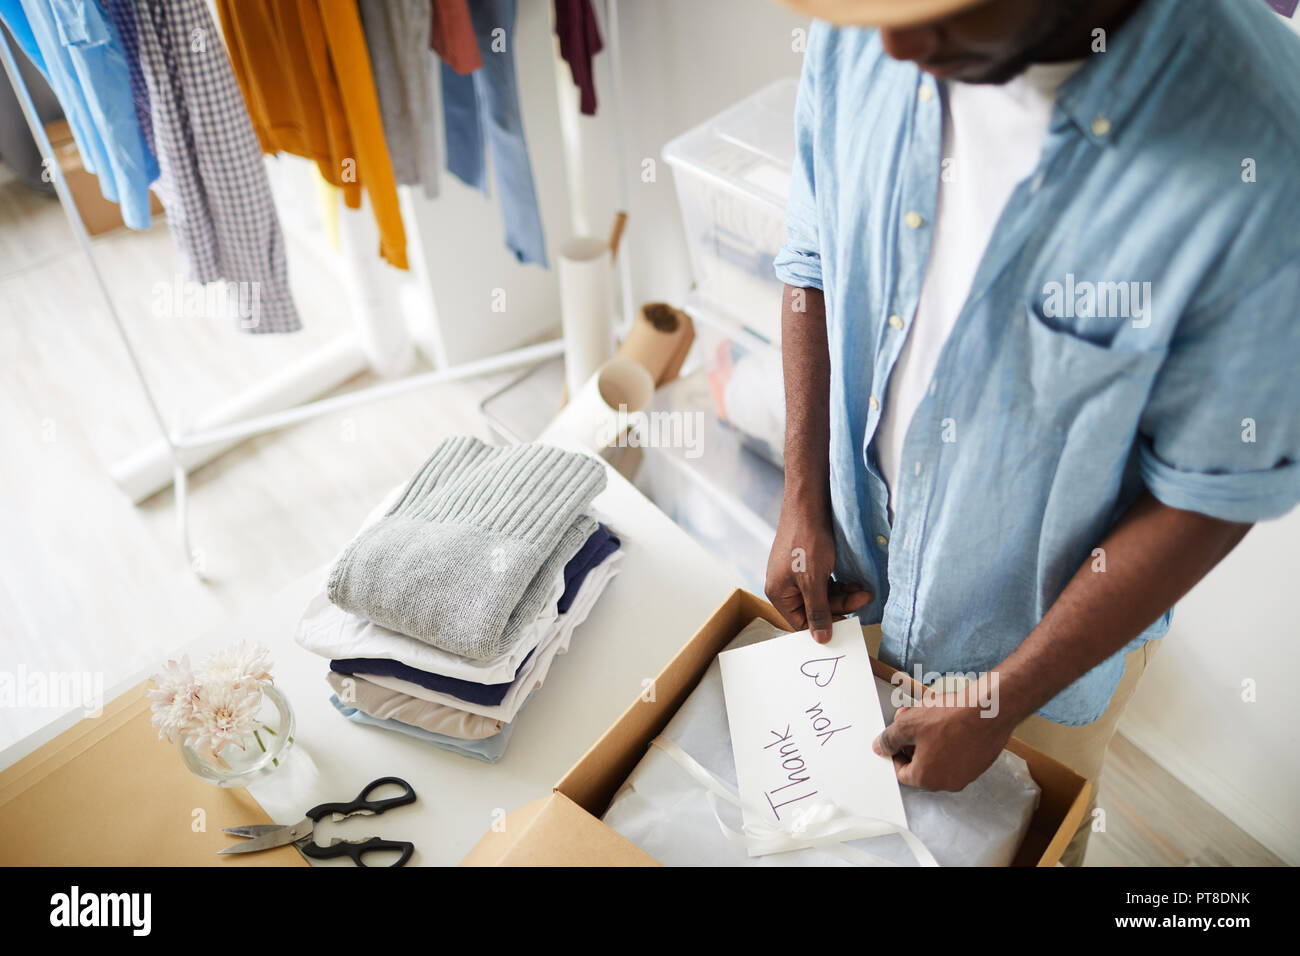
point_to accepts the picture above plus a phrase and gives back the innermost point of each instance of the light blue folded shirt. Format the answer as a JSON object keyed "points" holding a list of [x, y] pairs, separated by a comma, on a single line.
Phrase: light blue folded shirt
{"points": [[1170, 161], [489, 748]]}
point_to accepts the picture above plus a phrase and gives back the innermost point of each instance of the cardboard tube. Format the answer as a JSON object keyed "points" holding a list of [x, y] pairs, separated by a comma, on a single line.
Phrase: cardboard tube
{"points": [[595, 416], [659, 339], [586, 308]]}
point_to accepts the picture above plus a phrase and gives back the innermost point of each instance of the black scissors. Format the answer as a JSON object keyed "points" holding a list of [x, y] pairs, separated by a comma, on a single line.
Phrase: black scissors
{"points": [[266, 836]]}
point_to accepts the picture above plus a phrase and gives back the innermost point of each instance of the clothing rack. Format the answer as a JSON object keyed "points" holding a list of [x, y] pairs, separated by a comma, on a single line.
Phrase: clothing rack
{"points": [[178, 451]]}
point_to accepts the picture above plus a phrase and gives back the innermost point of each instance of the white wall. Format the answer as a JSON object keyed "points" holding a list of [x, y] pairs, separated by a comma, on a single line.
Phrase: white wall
{"points": [[462, 234], [684, 61]]}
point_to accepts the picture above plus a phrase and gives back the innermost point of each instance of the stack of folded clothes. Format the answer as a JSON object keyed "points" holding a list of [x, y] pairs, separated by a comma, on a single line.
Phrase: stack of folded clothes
{"points": [[445, 612]]}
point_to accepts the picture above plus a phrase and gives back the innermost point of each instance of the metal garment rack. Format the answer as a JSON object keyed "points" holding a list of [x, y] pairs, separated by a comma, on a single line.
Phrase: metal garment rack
{"points": [[183, 450]]}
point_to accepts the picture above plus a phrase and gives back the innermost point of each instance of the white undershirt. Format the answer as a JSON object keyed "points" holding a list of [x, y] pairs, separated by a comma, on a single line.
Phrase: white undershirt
{"points": [[992, 138]]}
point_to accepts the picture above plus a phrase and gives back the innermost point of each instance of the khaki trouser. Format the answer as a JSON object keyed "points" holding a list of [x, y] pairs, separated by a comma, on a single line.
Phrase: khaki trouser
{"points": [[1082, 748]]}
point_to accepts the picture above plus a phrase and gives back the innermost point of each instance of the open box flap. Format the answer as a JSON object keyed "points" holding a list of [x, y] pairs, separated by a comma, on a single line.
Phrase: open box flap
{"points": [[555, 831], [594, 779]]}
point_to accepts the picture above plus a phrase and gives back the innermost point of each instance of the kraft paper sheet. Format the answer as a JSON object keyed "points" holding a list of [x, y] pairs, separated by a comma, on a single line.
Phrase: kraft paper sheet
{"points": [[108, 792]]}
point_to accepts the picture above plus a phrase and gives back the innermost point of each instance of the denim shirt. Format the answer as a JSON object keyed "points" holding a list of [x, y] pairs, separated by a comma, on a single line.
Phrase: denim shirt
{"points": [[1132, 325]]}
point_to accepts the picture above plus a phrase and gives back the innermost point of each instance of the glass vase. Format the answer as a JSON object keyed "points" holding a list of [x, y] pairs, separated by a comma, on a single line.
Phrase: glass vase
{"points": [[265, 749]]}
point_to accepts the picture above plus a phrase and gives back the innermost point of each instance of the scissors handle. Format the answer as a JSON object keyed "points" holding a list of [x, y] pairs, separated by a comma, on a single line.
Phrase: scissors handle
{"points": [[362, 804], [357, 849]]}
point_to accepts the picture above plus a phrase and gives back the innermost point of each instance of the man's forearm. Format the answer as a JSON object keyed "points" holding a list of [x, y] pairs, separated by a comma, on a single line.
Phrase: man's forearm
{"points": [[805, 359], [801, 563], [1152, 557]]}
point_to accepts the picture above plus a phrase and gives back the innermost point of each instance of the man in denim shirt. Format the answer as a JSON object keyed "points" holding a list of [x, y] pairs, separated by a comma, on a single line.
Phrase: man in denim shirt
{"points": [[1040, 345]]}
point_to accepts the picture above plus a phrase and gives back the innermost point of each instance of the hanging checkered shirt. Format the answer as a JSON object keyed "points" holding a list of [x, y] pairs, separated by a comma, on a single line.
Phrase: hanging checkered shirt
{"points": [[213, 183]]}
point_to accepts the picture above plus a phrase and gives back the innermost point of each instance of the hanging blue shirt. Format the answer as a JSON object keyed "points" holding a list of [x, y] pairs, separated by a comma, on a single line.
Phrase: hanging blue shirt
{"points": [[75, 46], [1172, 161], [484, 105]]}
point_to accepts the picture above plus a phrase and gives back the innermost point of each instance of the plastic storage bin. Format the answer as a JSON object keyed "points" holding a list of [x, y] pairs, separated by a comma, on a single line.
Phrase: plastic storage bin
{"points": [[732, 174], [719, 490], [746, 385]]}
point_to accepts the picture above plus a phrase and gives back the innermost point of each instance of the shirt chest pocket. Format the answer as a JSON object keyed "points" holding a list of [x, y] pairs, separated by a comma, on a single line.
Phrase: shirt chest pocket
{"points": [[1072, 377]]}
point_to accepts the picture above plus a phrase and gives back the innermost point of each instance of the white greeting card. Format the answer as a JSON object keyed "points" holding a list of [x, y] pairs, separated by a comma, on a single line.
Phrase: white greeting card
{"points": [[803, 716]]}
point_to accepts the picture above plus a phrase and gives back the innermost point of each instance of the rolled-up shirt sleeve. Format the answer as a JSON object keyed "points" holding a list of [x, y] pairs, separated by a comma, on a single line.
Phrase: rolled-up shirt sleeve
{"points": [[798, 263], [1220, 434]]}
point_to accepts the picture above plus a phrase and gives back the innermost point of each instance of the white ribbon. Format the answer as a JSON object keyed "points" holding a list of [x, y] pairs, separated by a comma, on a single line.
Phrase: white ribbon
{"points": [[819, 825]]}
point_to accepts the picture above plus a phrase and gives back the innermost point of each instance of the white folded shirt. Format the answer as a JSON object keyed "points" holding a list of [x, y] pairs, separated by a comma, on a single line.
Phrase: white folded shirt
{"points": [[534, 670], [328, 630]]}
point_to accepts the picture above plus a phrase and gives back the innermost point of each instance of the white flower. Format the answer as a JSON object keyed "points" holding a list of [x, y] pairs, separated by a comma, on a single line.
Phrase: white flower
{"points": [[174, 699], [225, 712], [238, 663]]}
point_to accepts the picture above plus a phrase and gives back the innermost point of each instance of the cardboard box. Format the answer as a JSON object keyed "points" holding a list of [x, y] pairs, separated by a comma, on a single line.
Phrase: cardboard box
{"points": [[564, 828], [97, 213]]}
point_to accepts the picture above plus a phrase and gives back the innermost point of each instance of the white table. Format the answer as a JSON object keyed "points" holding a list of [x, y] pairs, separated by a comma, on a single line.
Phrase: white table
{"points": [[667, 588]]}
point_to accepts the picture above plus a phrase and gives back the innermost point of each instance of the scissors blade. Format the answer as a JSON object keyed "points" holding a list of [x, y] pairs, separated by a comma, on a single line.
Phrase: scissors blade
{"points": [[253, 830], [279, 836]]}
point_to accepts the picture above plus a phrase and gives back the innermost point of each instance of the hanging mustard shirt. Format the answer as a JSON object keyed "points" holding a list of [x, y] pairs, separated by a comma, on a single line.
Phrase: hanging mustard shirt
{"points": [[305, 75]]}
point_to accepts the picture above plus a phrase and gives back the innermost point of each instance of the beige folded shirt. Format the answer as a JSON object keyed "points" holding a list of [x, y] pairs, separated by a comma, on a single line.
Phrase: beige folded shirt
{"points": [[385, 704]]}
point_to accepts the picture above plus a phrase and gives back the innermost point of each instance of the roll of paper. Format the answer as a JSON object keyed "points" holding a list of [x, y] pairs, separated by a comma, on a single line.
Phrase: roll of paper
{"points": [[596, 416], [586, 308], [659, 339]]}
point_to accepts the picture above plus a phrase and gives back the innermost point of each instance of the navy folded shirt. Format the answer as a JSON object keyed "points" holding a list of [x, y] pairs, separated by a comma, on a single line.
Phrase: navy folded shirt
{"points": [[594, 550], [457, 687]]}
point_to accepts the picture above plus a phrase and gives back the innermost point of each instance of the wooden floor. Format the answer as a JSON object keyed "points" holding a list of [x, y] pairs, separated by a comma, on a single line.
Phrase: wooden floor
{"points": [[90, 582], [1154, 820], [87, 580]]}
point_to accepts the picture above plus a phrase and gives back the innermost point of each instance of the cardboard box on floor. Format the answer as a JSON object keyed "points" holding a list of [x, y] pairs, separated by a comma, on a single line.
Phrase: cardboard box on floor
{"points": [[98, 214], [564, 828]]}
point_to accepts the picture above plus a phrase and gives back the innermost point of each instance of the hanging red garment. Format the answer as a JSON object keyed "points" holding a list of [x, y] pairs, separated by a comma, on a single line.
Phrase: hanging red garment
{"points": [[452, 36], [575, 25]]}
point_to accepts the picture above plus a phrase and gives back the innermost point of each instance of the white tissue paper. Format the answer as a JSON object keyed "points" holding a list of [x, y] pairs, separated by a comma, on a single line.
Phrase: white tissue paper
{"points": [[665, 812]]}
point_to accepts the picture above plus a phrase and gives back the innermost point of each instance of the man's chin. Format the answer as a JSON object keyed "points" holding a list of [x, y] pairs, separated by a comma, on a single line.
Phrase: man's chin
{"points": [[974, 73]]}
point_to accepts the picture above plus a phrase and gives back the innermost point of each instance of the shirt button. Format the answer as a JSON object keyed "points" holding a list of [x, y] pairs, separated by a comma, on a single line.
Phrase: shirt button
{"points": [[1100, 126], [875, 405], [916, 469], [924, 94], [882, 540], [895, 322], [913, 220]]}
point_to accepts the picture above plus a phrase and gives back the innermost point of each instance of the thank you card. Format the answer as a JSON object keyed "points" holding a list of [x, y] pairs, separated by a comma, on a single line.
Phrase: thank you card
{"points": [[803, 716]]}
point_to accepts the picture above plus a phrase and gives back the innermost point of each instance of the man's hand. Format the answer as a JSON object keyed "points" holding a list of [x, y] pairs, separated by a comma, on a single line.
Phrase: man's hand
{"points": [[799, 570], [942, 743]]}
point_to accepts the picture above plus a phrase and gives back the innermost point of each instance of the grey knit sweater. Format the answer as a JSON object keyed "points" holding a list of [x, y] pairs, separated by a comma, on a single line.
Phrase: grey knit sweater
{"points": [[472, 549]]}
